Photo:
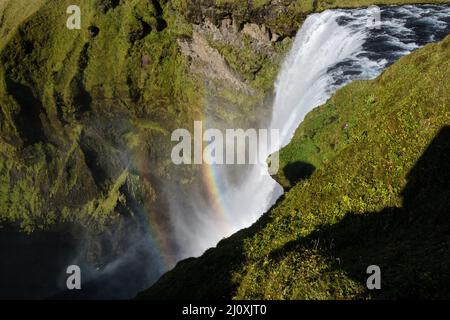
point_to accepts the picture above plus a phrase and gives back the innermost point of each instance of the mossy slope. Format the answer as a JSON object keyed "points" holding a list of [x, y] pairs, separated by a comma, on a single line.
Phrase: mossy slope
{"points": [[378, 196], [86, 114]]}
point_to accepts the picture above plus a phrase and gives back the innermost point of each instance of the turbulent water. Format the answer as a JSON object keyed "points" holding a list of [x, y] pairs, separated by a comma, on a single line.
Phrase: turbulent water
{"points": [[332, 49]]}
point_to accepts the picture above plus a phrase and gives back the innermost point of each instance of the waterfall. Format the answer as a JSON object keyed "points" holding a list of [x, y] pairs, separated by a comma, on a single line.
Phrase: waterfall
{"points": [[331, 49], [304, 82]]}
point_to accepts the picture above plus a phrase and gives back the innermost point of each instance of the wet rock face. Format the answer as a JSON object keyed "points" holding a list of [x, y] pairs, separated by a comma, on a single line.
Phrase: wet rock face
{"points": [[280, 17], [210, 63], [106, 5]]}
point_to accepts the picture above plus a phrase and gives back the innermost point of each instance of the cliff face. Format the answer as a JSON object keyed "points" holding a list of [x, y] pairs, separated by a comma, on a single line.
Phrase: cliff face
{"points": [[281, 17], [82, 108], [86, 114], [390, 209]]}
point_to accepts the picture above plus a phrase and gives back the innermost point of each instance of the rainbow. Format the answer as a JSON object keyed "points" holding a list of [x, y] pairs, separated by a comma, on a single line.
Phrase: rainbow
{"points": [[215, 191]]}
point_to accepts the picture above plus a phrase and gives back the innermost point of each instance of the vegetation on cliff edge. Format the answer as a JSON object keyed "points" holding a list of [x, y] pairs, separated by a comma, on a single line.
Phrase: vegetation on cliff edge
{"points": [[378, 196]]}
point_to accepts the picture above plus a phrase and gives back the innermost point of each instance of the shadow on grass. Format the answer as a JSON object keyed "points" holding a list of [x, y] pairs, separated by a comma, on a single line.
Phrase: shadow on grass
{"points": [[298, 171], [411, 244]]}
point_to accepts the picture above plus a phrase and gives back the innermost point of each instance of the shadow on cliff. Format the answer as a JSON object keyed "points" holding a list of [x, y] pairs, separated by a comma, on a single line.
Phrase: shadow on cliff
{"points": [[410, 244], [28, 119]]}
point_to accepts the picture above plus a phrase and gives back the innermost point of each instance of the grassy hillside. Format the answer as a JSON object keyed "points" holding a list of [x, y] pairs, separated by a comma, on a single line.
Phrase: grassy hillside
{"points": [[13, 13], [378, 195]]}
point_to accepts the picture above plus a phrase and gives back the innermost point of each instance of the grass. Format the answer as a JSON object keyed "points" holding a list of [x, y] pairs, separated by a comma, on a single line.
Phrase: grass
{"points": [[378, 194], [379, 129]]}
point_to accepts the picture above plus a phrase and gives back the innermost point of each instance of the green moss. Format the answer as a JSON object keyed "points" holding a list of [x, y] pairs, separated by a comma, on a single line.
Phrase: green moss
{"points": [[82, 110], [378, 195]]}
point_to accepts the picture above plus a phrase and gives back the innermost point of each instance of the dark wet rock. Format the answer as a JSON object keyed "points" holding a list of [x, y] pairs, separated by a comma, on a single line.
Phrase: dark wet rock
{"points": [[106, 5], [93, 31]]}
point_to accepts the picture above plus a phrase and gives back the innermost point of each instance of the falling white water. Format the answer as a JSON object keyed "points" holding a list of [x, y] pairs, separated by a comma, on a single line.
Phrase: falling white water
{"points": [[304, 81], [331, 49]]}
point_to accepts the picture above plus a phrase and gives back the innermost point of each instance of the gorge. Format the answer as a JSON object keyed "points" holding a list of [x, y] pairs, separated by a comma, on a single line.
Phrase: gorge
{"points": [[86, 172]]}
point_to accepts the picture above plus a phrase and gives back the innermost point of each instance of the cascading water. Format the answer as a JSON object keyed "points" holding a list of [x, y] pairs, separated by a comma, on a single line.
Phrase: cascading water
{"points": [[331, 49]]}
